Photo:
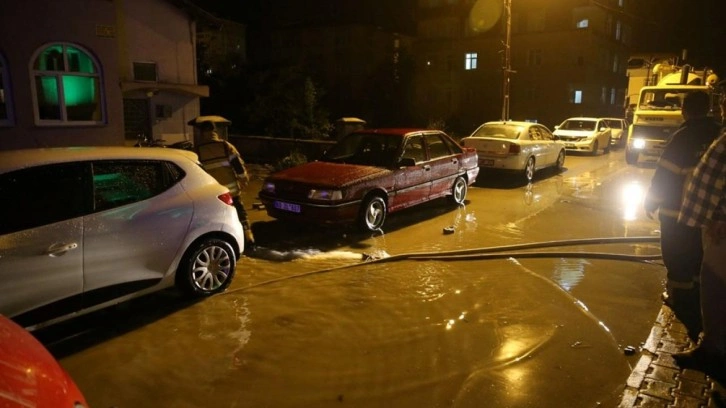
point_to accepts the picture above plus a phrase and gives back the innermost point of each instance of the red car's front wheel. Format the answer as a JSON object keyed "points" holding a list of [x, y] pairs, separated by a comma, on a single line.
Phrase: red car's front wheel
{"points": [[372, 213]]}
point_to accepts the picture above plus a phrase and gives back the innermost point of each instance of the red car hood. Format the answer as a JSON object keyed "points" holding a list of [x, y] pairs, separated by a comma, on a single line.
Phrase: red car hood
{"points": [[328, 174], [29, 375]]}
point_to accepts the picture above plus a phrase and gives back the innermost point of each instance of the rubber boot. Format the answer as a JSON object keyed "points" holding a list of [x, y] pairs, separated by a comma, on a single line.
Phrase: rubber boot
{"points": [[686, 305], [249, 239]]}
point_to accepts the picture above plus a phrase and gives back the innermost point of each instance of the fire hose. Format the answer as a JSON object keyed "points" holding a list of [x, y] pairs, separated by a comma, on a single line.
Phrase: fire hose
{"points": [[497, 252]]}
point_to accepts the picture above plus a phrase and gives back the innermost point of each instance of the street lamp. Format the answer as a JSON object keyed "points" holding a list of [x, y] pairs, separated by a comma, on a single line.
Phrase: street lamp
{"points": [[507, 69]]}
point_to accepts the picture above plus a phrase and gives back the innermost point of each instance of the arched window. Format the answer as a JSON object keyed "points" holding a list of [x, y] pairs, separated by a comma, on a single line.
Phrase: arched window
{"points": [[6, 107], [66, 86]]}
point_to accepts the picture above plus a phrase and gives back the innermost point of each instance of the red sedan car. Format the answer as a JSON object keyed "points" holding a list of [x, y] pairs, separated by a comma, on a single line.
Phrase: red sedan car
{"points": [[369, 174], [29, 375]]}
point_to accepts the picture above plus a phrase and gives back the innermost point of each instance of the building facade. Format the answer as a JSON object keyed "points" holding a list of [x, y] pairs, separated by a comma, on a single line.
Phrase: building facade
{"points": [[567, 58], [91, 72]]}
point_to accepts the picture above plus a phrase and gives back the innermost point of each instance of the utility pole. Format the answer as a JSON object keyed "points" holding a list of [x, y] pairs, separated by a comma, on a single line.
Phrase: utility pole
{"points": [[507, 69]]}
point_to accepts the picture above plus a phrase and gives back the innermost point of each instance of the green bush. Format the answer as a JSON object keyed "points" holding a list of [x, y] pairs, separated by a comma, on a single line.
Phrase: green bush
{"points": [[295, 158]]}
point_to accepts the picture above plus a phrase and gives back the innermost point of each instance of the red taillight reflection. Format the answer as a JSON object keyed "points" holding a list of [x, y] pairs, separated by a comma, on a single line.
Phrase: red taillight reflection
{"points": [[515, 149], [226, 198]]}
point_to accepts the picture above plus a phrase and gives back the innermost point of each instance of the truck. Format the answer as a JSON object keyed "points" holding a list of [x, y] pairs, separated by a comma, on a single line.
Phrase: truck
{"points": [[657, 112]]}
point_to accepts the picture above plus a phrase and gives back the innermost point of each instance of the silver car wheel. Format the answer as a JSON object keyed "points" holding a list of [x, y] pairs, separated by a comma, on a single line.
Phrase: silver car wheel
{"points": [[207, 268], [211, 268], [560, 161], [529, 169]]}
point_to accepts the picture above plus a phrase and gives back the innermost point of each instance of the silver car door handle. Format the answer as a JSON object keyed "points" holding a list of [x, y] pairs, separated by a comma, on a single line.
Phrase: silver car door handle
{"points": [[427, 167], [61, 249]]}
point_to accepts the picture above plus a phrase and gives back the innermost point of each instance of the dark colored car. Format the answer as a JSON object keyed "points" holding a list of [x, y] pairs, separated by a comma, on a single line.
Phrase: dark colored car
{"points": [[371, 173]]}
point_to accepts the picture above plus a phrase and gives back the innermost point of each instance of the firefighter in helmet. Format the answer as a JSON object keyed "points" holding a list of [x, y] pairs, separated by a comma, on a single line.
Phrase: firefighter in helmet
{"points": [[223, 162]]}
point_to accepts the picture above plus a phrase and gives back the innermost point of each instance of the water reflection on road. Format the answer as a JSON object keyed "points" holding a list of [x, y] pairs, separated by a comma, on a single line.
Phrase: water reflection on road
{"points": [[310, 321]]}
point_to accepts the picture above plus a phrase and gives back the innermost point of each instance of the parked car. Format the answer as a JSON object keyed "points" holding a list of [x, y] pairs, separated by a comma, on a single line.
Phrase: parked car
{"points": [[618, 131], [519, 147], [584, 135], [368, 174], [85, 228], [29, 375]]}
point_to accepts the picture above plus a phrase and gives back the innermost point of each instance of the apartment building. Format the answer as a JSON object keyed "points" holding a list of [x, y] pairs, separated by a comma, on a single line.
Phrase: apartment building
{"points": [[567, 58]]}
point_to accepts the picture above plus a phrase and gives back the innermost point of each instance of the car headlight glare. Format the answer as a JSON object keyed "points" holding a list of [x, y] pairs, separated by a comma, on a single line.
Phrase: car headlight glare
{"points": [[329, 195], [268, 187], [638, 143]]}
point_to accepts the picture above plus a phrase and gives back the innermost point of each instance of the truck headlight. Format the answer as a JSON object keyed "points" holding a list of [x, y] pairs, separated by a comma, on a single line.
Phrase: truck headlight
{"points": [[638, 143], [329, 195]]}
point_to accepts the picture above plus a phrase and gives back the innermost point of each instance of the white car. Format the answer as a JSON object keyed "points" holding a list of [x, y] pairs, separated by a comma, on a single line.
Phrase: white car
{"points": [[584, 134], [88, 227], [618, 131], [520, 147]]}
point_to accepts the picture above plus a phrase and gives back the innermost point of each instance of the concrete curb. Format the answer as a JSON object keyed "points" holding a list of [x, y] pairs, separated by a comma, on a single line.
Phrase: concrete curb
{"points": [[656, 380]]}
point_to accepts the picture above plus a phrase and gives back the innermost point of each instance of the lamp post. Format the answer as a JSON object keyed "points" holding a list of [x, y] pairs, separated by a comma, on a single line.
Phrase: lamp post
{"points": [[507, 69]]}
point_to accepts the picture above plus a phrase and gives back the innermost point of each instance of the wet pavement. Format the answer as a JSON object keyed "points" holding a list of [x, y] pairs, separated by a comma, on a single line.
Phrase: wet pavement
{"points": [[316, 327], [657, 381]]}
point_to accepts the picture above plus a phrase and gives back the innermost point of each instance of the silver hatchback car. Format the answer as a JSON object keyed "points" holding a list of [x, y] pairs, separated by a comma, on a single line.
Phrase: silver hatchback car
{"points": [[89, 227]]}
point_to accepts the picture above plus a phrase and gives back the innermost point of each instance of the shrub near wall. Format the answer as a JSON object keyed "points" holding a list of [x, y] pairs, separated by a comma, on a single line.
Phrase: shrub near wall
{"points": [[271, 150]]}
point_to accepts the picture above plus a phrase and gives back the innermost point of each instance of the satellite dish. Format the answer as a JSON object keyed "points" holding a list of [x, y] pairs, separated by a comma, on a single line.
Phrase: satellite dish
{"points": [[485, 14]]}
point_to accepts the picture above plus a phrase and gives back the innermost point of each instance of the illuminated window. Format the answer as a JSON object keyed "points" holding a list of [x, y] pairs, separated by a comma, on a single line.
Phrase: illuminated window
{"points": [[6, 114], [584, 23], [470, 61], [577, 97], [66, 86]]}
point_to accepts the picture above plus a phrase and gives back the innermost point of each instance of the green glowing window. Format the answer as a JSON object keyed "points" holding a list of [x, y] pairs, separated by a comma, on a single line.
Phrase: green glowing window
{"points": [[67, 86]]}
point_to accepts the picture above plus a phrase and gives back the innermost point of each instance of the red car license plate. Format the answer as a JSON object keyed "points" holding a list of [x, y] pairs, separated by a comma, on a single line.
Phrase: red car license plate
{"points": [[281, 205]]}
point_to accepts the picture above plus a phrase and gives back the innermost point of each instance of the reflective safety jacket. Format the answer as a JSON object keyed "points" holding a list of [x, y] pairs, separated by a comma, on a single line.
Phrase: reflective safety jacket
{"points": [[676, 165], [222, 163]]}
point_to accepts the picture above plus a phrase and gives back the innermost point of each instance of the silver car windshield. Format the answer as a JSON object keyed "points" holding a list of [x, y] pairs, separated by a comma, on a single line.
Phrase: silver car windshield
{"points": [[588, 125], [498, 131]]}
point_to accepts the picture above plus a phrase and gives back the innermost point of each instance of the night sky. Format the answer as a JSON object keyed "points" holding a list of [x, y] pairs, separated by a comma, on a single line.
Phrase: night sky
{"points": [[395, 14], [699, 26]]}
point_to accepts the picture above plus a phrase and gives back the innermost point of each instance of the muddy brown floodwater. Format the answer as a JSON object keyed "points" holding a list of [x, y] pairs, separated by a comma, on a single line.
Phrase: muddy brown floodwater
{"points": [[308, 323]]}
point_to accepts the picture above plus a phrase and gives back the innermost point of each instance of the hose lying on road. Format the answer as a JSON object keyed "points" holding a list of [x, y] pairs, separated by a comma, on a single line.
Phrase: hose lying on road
{"points": [[498, 252]]}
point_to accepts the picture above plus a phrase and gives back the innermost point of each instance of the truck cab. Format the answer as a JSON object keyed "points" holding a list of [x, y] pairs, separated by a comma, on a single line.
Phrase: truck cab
{"points": [[658, 113]]}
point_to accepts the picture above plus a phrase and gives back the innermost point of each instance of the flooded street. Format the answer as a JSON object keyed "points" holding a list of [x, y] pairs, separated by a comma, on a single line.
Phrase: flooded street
{"points": [[411, 317]]}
